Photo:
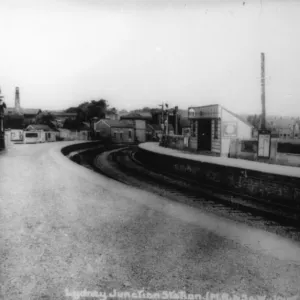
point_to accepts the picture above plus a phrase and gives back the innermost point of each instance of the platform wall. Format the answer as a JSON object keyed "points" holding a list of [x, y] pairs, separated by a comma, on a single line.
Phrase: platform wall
{"points": [[228, 180]]}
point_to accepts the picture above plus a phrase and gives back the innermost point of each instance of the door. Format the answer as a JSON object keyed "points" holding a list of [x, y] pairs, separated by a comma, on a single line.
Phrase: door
{"points": [[204, 135]]}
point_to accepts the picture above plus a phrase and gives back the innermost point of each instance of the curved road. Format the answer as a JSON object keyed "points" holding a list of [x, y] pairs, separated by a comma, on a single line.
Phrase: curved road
{"points": [[65, 227]]}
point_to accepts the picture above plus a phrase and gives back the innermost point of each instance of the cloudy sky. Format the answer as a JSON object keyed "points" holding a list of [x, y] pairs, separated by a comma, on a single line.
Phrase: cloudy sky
{"points": [[140, 53]]}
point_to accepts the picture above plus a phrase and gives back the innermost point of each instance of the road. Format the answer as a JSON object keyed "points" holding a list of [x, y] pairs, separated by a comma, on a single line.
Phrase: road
{"points": [[66, 227]]}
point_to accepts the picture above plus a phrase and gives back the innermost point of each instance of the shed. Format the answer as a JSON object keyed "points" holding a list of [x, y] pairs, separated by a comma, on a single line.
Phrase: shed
{"points": [[49, 133], [140, 121], [213, 127], [117, 131]]}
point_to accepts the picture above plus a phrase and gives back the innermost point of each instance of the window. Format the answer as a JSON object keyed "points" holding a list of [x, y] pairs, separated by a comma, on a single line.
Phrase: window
{"points": [[288, 148], [130, 134], [191, 112], [115, 135], [249, 146], [193, 128], [215, 123], [31, 134], [121, 135]]}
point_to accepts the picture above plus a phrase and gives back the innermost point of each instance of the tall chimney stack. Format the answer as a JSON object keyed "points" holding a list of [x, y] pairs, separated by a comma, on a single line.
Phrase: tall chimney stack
{"points": [[263, 92], [17, 100]]}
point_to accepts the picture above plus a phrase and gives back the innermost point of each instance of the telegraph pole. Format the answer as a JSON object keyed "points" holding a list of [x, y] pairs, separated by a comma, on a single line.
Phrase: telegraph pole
{"points": [[167, 124], [176, 120], [162, 116], [263, 92], [264, 135]]}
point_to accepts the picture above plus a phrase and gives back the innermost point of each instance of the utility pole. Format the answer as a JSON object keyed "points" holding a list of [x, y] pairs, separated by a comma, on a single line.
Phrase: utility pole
{"points": [[176, 120], [263, 93], [167, 123], [264, 135], [162, 116]]}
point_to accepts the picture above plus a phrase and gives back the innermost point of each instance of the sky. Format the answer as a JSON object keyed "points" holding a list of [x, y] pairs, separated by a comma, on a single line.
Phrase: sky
{"points": [[142, 53]]}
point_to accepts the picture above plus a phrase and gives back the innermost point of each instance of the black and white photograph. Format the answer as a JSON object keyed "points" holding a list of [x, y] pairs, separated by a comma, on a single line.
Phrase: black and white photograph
{"points": [[150, 149]]}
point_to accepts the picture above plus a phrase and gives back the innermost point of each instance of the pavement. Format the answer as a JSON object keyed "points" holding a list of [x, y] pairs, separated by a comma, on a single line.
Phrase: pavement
{"points": [[66, 227]]}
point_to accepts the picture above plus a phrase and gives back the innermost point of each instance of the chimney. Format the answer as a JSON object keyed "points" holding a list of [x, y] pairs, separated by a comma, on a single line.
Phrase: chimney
{"points": [[17, 100]]}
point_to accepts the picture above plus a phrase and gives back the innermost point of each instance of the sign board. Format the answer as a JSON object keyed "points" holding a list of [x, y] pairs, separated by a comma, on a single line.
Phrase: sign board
{"points": [[264, 144], [204, 112], [186, 141], [229, 129]]}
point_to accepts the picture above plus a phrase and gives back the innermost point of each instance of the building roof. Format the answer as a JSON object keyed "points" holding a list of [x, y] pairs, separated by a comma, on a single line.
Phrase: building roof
{"points": [[63, 130], [237, 116], [154, 127], [59, 113], [22, 111], [11, 111], [138, 116], [117, 123], [232, 113], [39, 127], [30, 111]]}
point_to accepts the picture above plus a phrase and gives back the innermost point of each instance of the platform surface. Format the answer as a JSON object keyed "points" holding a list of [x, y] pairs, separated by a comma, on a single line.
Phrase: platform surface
{"points": [[224, 161], [64, 226]]}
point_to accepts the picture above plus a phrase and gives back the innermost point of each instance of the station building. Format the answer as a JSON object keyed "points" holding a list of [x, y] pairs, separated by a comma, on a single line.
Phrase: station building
{"points": [[212, 127]]}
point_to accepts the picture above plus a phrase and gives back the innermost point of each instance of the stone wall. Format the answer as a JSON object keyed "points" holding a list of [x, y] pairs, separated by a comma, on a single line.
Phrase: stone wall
{"points": [[228, 180]]}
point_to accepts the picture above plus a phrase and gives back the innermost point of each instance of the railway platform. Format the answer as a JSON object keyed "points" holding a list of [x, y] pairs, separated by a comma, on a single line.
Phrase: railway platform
{"points": [[223, 161], [276, 184]]}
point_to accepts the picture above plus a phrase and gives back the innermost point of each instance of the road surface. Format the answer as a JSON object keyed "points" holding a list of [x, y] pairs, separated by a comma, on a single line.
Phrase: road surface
{"points": [[65, 227]]}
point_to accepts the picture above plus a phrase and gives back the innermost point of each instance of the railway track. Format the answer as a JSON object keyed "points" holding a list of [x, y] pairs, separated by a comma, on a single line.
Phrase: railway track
{"points": [[122, 164]]}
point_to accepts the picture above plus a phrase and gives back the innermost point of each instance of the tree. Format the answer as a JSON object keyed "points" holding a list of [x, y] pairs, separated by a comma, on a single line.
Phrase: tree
{"points": [[254, 120], [146, 109], [71, 124], [87, 112], [112, 110], [45, 118]]}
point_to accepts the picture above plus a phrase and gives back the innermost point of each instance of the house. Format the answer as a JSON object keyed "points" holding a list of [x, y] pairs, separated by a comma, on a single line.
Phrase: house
{"points": [[117, 131], [140, 121], [213, 127], [284, 127], [49, 133], [59, 117], [111, 115], [30, 115]]}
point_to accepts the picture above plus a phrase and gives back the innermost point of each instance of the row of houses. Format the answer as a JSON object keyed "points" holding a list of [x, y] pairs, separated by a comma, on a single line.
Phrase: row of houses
{"points": [[43, 133]]}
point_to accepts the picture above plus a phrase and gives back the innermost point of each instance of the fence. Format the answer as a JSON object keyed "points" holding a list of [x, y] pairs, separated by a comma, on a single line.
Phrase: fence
{"points": [[282, 152], [74, 135], [179, 142]]}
